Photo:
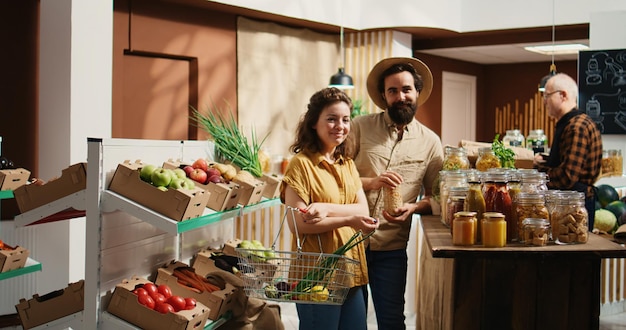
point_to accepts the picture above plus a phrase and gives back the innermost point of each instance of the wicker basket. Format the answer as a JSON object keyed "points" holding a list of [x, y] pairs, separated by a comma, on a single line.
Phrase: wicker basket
{"points": [[278, 275]]}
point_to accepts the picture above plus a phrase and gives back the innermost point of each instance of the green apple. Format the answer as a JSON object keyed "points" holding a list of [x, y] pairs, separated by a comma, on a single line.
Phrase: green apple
{"points": [[180, 173], [161, 177], [190, 184], [146, 172], [176, 183], [162, 188]]}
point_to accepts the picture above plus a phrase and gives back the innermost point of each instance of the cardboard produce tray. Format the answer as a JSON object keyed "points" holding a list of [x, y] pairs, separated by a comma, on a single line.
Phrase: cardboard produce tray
{"points": [[11, 259], [51, 306], [13, 179], [178, 204], [124, 304], [73, 179]]}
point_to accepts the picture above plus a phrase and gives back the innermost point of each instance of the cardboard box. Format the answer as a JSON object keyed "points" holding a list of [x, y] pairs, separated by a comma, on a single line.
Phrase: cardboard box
{"points": [[124, 304], [251, 192], [272, 186], [223, 196], [523, 157], [262, 268], [178, 204], [13, 259], [203, 264], [51, 306], [219, 302], [73, 179], [12, 179]]}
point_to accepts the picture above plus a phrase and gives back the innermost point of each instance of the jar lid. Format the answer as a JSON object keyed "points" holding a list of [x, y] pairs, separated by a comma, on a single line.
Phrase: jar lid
{"points": [[493, 215], [464, 214], [535, 222]]}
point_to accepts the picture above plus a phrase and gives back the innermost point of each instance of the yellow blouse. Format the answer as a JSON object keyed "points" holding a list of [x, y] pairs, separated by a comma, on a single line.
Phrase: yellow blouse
{"points": [[316, 180]]}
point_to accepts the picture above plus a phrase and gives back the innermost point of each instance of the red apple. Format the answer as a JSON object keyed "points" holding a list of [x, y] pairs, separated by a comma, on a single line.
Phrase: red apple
{"points": [[216, 179], [201, 163], [198, 175], [188, 169], [213, 171]]}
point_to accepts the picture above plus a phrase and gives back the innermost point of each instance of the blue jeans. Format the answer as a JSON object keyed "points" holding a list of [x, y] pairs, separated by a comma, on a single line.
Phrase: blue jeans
{"points": [[352, 315], [387, 273]]}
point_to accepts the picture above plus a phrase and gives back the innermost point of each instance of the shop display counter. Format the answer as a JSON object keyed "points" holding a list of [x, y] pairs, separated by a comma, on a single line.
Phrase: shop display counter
{"points": [[513, 287]]}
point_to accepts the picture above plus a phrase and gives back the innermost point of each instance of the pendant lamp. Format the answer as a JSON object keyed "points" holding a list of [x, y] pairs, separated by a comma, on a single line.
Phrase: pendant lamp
{"points": [[544, 80], [340, 79]]}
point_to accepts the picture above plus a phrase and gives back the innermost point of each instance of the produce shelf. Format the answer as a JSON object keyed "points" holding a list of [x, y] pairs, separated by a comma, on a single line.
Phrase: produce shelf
{"points": [[112, 201], [30, 267], [72, 321], [68, 207], [6, 194]]}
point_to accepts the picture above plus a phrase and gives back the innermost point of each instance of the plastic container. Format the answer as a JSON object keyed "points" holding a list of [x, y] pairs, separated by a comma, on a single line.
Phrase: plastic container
{"points": [[570, 219], [455, 159], [537, 141], [535, 231], [513, 138], [493, 229], [487, 159], [464, 228]]}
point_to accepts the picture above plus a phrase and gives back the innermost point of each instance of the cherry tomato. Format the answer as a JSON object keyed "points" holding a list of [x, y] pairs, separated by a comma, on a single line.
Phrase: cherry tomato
{"points": [[140, 292], [164, 308], [151, 288], [146, 300], [165, 290], [190, 303], [177, 302], [158, 298]]}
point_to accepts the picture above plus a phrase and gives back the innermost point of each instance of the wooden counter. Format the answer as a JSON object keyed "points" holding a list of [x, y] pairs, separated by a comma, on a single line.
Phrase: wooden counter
{"points": [[514, 287]]}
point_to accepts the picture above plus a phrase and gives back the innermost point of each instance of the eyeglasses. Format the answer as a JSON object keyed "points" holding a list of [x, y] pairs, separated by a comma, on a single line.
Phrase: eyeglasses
{"points": [[546, 95]]}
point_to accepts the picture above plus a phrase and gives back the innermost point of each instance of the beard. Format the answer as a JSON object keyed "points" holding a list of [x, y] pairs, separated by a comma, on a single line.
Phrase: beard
{"points": [[402, 112]]}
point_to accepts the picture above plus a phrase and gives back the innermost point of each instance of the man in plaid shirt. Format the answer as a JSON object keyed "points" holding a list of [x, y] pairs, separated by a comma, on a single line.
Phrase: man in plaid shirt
{"points": [[576, 151]]}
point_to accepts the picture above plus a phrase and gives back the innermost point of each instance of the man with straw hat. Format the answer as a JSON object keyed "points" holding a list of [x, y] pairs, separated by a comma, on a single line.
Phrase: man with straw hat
{"points": [[395, 150]]}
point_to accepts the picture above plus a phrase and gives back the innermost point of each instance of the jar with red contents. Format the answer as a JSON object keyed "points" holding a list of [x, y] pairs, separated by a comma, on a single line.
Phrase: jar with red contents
{"points": [[498, 199]]}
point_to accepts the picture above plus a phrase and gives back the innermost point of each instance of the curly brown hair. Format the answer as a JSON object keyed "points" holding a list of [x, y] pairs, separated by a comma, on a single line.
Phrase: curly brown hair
{"points": [[306, 136]]}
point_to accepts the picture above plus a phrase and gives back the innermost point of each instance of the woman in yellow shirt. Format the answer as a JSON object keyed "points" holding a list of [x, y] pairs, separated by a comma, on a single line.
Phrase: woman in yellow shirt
{"points": [[322, 180]]}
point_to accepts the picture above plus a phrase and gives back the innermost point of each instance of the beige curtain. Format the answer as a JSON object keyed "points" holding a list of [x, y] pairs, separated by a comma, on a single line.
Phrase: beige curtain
{"points": [[278, 69]]}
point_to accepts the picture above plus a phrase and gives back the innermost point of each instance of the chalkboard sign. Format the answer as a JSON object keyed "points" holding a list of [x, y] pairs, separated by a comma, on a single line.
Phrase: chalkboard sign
{"points": [[602, 88]]}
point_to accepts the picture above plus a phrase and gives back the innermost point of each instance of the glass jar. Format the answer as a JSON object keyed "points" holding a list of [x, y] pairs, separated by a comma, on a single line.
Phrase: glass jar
{"points": [[487, 159], [493, 229], [612, 162], [533, 182], [570, 219], [455, 159], [475, 202], [464, 228], [530, 205], [513, 138], [498, 199], [392, 199], [537, 141], [449, 180], [455, 203], [535, 231]]}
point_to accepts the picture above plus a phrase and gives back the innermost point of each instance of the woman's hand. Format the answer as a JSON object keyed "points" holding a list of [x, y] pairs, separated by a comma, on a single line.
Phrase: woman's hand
{"points": [[364, 223], [314, 213]]}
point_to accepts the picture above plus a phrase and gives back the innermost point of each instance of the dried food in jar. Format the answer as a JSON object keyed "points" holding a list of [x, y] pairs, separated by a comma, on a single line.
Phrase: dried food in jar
{"points": [[535, 231], [392, 199]]}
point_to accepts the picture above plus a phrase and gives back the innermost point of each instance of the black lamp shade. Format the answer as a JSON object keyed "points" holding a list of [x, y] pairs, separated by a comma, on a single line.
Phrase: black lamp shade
{"points": [[341, 80], [544, 80]]}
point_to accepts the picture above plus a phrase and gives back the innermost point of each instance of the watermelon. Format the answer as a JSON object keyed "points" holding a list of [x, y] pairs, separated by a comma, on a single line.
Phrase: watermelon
{"points": [[607, 194], [617, 207]]}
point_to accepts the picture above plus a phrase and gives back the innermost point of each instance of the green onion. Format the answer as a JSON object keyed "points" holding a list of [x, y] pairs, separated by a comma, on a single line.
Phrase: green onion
{"points": [[230, 143]]}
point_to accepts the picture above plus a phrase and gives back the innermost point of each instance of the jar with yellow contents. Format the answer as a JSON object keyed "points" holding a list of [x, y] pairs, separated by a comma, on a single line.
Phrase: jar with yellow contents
{"points": [[493, 229], [487, 159], [464, 228]]}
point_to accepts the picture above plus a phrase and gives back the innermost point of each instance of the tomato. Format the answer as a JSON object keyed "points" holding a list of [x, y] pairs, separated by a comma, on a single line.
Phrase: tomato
{"points": [[165, 290], [158, 298], [146, 300], [164, 308], [177, 302], [190, 303], [140, 292], [151, 288]]}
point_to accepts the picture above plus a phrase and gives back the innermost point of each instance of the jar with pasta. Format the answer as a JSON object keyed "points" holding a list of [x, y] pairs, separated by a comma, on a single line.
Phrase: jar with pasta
{"points": [[530, 205], [487, 159], [392, 198], [612, 163], [455, 159], [570, 219]]}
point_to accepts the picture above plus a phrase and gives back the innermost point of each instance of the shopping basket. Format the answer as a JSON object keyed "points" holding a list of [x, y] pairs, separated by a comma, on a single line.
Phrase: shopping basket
{"points": [[297, 276]]}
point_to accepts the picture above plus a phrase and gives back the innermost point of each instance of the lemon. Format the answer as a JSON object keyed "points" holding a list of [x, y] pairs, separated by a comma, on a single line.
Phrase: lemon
{"points": [[319, 293]]}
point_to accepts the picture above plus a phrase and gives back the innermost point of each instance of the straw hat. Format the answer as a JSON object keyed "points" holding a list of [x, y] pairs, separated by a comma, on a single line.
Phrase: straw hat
{"points": [[380, 67]]}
